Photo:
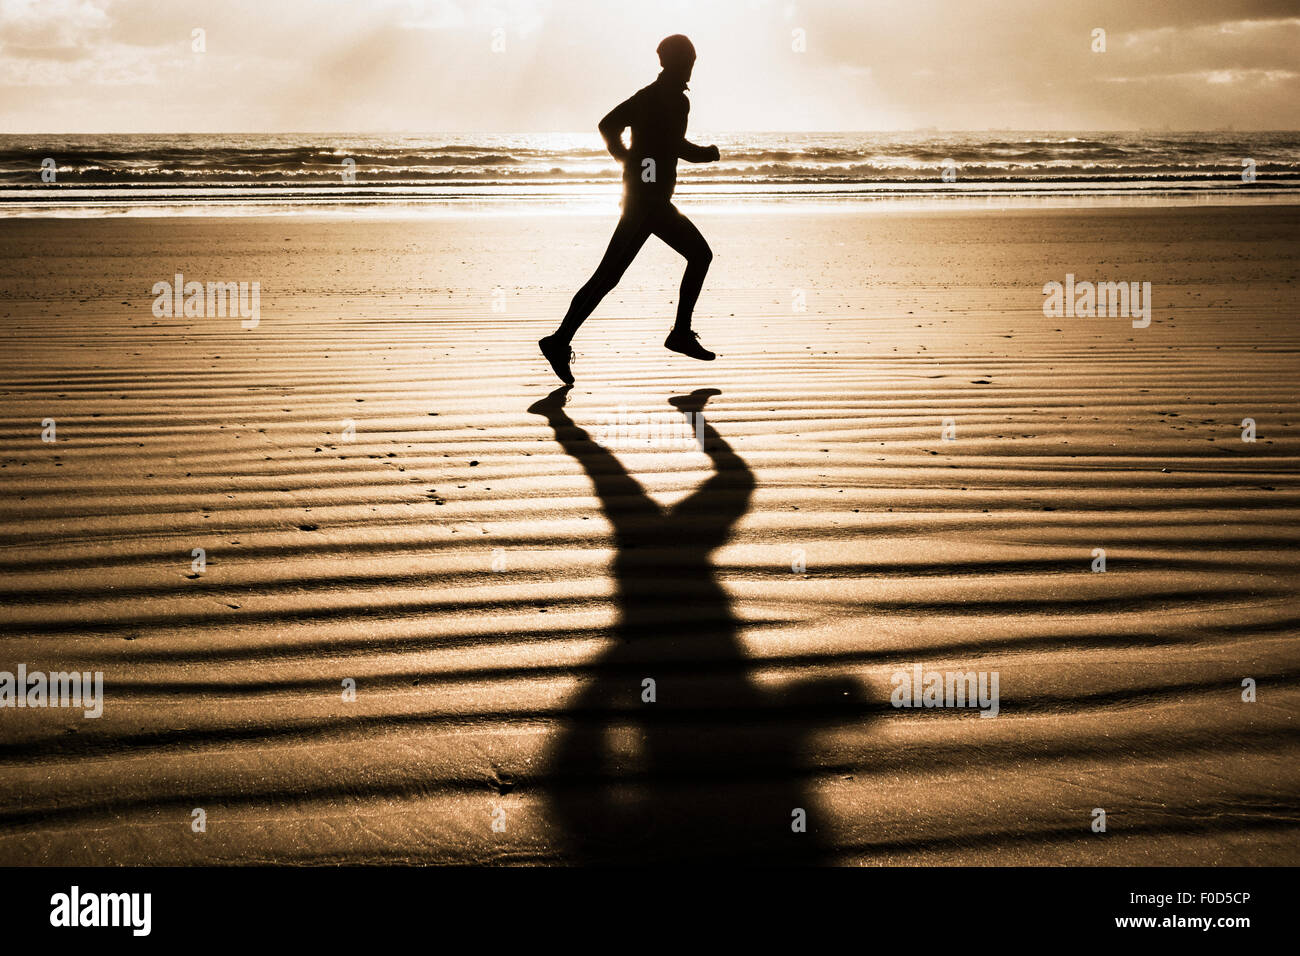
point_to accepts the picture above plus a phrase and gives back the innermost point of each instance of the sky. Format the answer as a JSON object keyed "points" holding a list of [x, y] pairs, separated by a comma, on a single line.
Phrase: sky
{"points": [[86, 66]]}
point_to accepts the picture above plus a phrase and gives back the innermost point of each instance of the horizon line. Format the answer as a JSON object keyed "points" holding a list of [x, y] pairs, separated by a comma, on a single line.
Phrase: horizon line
{"points": [[571, 132]]}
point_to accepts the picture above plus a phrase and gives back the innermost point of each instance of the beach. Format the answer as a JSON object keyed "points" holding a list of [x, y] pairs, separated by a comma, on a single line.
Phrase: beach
{"points": [[355, 602]]}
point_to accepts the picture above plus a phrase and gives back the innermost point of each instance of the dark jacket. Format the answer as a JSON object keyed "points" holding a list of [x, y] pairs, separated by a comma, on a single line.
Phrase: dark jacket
{"points": [[657, 116]]}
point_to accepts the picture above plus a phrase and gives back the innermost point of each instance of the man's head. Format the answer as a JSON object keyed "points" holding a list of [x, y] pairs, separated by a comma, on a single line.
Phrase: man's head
{"points": [[677, 57]]}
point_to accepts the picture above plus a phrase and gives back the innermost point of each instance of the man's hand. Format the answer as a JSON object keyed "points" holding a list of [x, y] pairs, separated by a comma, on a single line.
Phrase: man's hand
{"points": [[697, 154], [618, 149], [614, 143]]}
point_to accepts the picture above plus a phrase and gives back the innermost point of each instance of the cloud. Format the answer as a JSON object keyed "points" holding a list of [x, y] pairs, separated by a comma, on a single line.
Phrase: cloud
{"points": [[69, 65], [63, 31]]}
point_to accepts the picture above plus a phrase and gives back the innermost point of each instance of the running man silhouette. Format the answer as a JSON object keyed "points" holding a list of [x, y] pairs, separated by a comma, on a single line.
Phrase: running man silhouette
{"points": [[657, 116]]}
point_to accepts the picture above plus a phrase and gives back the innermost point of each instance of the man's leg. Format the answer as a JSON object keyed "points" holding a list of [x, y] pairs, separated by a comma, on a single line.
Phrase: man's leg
{"points": [[629, 236], [680, 233]]}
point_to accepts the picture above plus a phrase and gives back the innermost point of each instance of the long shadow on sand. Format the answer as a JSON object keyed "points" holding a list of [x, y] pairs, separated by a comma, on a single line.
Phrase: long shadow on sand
{"points": [[716, 767]]}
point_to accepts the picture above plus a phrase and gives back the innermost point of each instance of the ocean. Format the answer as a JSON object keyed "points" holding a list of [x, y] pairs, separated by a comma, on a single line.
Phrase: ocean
{"points": [[259, 173]]}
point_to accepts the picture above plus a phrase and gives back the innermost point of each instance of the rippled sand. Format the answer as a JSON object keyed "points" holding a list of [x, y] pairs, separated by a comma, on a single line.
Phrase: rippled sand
{"points": [[499, 588]]}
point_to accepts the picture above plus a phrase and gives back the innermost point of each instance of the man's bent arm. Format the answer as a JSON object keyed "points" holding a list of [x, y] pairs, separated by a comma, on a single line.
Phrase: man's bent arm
{"points": [[612, 126], [697, 154]]}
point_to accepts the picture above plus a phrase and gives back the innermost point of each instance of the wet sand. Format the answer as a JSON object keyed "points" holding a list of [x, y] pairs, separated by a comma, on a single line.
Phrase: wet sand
{"points": [[499, 587]]}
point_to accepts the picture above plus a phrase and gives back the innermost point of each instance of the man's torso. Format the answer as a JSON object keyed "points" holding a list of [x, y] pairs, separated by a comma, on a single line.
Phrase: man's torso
{"points": [[658, 127]]}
